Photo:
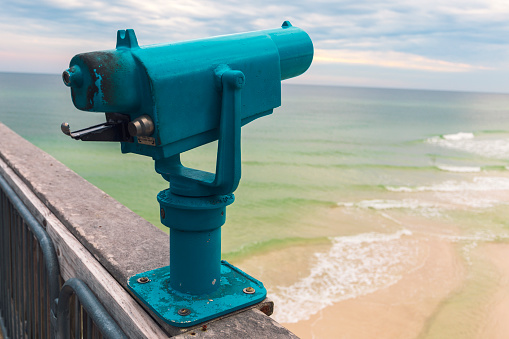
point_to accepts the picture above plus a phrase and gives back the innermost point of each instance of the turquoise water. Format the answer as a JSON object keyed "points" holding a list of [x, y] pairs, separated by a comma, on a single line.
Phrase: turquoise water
{"points": [[349, 174]]}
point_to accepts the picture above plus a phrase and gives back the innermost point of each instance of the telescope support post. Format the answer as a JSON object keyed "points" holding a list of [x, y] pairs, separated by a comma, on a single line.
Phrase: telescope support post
{"points": [[198, 286]]}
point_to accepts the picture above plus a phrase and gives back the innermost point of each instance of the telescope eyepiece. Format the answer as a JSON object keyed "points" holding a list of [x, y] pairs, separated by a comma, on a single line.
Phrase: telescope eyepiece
{"points": [[141, 126], [72, 77], [67, 78]]}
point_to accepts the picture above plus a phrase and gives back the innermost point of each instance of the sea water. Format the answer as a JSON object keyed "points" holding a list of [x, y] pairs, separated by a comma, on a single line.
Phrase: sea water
{"points": [[337, 184]]}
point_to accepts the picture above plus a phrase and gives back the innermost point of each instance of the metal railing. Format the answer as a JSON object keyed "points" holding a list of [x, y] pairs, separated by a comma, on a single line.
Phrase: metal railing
{"points": [[33, 302], [90, 320]]}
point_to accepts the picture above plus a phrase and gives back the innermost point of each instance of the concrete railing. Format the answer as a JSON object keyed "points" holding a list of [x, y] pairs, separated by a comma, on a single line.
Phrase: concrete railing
{"points": [[102, 242]]}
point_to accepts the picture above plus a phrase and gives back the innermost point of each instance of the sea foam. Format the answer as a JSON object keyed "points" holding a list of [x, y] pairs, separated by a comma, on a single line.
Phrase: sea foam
{"points": [[476, 185], [467, 142], [471, 241], [459, 169], [481, 192], [423, 208], [380, 204], [354, 266], [458, 136]]}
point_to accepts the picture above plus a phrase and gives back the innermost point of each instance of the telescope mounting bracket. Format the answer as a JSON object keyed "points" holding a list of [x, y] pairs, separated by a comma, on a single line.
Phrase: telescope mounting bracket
{"points": [[190, 182], [199, 286]]}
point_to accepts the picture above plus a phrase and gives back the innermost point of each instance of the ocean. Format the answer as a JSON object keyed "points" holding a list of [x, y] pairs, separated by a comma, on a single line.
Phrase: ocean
{"points": [[340, 187]]}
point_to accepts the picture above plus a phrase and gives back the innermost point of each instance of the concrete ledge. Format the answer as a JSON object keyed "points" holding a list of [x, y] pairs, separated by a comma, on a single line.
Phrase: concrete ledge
{"points": [[252, 324], [121, 241]]}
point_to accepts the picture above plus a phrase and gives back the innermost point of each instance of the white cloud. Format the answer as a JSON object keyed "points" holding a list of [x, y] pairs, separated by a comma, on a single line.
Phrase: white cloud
{"points": [[390, 59], [438, 36]]}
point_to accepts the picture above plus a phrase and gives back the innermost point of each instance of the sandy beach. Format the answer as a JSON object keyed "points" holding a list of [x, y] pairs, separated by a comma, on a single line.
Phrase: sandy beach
{"points": [[495, 324], [439, 299], [398, 311], [446, 281]]}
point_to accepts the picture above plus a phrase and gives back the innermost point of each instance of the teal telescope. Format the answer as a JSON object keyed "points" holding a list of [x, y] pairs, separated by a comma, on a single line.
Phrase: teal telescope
{"points": [[163, 100]]}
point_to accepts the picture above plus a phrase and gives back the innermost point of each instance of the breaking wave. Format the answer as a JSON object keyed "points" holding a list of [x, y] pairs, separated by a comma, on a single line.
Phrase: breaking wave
{"points": [[467, 142], [354, 266], [459, 169], [476, 185]]}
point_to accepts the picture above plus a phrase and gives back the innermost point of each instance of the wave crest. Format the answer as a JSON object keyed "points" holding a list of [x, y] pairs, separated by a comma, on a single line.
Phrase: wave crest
{"points": [[458, 136], [459, 169], [467, 142]]}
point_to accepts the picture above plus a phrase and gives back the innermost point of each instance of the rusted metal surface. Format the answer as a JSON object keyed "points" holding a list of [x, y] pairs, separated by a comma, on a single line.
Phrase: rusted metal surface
{"points": [[101, 65]]}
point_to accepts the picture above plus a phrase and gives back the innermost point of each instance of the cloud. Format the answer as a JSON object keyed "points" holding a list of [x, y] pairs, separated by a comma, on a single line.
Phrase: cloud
{"points": [[390, 59], [447, 36]]}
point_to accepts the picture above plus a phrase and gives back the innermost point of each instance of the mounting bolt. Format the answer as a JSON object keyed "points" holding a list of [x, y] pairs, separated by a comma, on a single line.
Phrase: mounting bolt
{"points": [[249, 290], [184, 311], [143, 280]]}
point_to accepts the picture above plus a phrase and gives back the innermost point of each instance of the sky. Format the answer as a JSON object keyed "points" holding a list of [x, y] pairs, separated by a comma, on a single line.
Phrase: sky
{"points": [[460, 45]]}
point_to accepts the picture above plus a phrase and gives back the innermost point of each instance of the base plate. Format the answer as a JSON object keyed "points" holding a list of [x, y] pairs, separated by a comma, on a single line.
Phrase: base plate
{"points": [[184, 310]]}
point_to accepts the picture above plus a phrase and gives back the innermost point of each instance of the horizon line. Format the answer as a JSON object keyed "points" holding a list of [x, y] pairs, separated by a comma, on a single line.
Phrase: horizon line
{"points": [[327, 85]]}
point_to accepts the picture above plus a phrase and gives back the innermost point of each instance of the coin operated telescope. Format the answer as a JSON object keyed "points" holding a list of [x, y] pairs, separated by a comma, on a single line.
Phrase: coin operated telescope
{"points": [[162, 100]]}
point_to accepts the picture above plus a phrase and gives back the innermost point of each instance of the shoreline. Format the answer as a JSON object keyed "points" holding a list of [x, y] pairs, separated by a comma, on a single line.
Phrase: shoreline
{"points": [[444, 297], [397, 311]]}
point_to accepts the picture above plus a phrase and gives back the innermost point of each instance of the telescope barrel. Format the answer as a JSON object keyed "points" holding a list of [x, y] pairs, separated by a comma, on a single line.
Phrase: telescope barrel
{"points": [[178, 87], [108, 81]]}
